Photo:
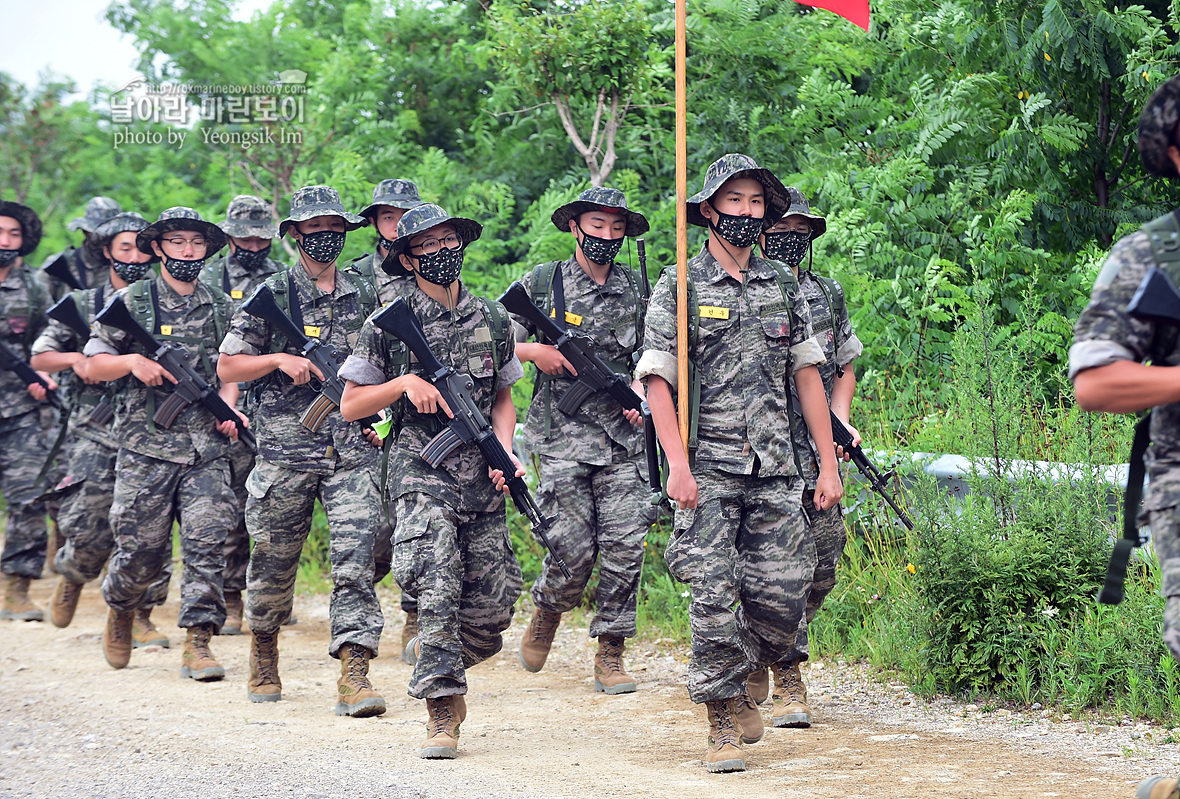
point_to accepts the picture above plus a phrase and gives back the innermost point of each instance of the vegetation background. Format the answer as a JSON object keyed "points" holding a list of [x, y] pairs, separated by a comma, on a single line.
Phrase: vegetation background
{"points": [[975, 161]]}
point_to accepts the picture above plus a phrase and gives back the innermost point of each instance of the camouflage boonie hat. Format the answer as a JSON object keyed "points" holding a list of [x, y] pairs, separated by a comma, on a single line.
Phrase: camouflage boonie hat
{"points": [[30, 224], [800, 207], [248, 216], [312, 201], [736, 165], [119, 223], [600, 199], [395, 193], [423, 218], [1157, 129], [180, 217], [98, 210]]}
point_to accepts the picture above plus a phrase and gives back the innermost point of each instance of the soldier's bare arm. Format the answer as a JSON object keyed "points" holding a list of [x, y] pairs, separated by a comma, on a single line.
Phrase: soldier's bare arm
{"points": [[359, 401], [547, 358], [105, 367], [243, 367], [843, 390], [682, 486], [504, 425], [1126, 387], [810, 386]]}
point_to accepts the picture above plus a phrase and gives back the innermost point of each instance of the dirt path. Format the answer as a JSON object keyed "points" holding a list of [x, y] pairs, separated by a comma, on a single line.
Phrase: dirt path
{"points": [[72, 727]]}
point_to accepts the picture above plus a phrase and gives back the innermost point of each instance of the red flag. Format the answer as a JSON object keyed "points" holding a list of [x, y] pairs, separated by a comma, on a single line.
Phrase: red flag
{"points": [[855, 11]]}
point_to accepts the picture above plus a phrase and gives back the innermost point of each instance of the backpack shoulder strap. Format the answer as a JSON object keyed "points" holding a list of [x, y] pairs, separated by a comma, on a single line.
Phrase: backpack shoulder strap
{"points": [[497, 318], [1164, 235], [543, 294], [143, 304], [362, 271]]}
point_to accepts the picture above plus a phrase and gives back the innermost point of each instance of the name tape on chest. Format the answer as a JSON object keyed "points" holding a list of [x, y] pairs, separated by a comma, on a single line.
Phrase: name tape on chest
{"points": [[311, 331], [236, 294], [570, 318], [713, 312]]}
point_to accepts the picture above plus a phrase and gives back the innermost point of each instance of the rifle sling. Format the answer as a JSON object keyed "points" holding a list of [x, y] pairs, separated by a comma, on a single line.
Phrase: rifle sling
{"points": [[1116, 570]]}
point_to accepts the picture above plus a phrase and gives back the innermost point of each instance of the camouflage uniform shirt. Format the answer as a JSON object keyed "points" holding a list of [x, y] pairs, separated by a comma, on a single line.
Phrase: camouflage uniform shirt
{"points": [[81, 398], [606, 314], [831, 332], [747, 342], [24, 299], [192, 437], [282, 440], [389, 287], [463, 340], [88, 270], [227, 274]]}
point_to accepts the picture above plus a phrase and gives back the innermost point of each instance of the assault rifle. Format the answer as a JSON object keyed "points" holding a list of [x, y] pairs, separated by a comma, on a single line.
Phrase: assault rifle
{"points": [[877, 479], [59, 268], [190, 386], [594, 374], [262, 305], [11, 362], [65, 311], [468, 425]]}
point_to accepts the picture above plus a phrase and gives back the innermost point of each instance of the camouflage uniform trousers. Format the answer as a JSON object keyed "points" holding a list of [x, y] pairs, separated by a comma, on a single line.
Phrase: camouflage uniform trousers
{"points": [[278, 515], [383, 559], [604, 513], [85, 519], [461, 567], [149, 494], [828, 533], [1165, 537], [748, 557], [237, 543], [22, 452]]}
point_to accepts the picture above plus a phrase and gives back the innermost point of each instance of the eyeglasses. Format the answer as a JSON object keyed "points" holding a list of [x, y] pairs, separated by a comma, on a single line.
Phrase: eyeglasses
{"points": [[179, 242], [431, 246]]}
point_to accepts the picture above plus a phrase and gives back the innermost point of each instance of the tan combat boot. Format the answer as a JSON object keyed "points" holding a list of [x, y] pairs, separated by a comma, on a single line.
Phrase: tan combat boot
{"points": [[409, 632], [1158, 788], [54, 542], [197, 660], [758, 685], [144, 633], [234, 607], [609, 676], [17, 606], [725, 738], [116, 638], [264, 685], [356, 696], [538, 639], [444, 715], [749, 718], [64, 602], [790, 697]]}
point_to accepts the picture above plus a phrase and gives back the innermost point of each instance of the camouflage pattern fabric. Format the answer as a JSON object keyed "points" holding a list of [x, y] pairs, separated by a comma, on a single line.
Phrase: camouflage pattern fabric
{"points": [[149, 494], [1157, 129], [743, 361], [389, 287], [461, 567], [607, 316], [90, 270], [827, 531], [237, 540], [85, 519], [461, 339], [193, 437], [312, 201], [600, 197], [736, 165], [23, 303], [22, 452], [248, 216], [282, 440], [394, 192], [278, 515], [98, 210], [747, 556], [604, 514], [224, 272], [1104, 334]]}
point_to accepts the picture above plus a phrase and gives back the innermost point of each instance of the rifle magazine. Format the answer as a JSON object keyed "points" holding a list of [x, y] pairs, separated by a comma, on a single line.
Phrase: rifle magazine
{"points": [[169, 409], [441, 446], [574, 397], [313, 418]]}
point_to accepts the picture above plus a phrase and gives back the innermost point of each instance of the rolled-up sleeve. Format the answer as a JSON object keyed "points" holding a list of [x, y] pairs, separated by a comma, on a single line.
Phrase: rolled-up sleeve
{"points": [[806, 353], [367, 365], [659, 338], [850, 350]]}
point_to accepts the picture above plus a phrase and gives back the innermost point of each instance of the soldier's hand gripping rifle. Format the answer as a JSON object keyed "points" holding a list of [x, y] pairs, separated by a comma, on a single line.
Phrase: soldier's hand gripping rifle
{"points": [[468, 425], [59, 268], [190, 386], [11, 362], [66, 311], [877, 479], [262, 305], [594, 374]]}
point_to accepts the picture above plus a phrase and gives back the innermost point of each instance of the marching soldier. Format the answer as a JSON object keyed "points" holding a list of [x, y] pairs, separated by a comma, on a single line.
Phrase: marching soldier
{"points": [[84, 264], [740, 539], [338, 463], [593, 477]]}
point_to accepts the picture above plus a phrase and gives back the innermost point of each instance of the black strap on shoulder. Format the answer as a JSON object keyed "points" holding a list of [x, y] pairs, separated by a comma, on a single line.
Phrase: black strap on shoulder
{"points": [[294, 309], [1116, 572], [557, 292], [155, 294], [80, 269]]}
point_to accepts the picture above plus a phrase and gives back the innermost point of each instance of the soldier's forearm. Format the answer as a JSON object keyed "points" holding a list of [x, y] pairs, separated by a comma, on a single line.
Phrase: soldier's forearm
{"points": [[842, 392], [106, 367], [504, 418], [663, 416], [815, 413], [359, 401], [243, 367], [53, 361], [1126, 387]]}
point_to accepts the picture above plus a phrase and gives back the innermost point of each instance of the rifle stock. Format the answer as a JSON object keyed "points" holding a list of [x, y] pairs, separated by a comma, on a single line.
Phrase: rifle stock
{"points": [[468, 424], [66, 311], [59, 268]]}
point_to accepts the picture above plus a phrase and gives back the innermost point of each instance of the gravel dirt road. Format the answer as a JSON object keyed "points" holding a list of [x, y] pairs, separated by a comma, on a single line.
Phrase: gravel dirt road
{"points": [[70, 726]]}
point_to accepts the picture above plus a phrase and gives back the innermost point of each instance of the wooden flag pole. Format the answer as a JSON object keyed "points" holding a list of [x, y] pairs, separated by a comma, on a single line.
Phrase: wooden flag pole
{"points": [[682, 387]]}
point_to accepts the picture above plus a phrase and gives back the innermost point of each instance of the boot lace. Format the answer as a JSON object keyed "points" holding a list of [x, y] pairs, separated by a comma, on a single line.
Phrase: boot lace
{"points": [[745, 701], [358, 667], [143, 620], [788, 683], [546, 626], [442, 715], [726, 727], [120, 632], [201, 636], [612, 655], [265, 657]]}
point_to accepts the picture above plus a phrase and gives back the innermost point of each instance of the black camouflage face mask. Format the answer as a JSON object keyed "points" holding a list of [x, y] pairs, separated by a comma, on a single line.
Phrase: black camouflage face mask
{"points": [[598, 249], [441, 268], [788, 247], [251, 259], [129, 272], [182, 270], [7, 257], [323, 246], [384, 243], [740, 231]]}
